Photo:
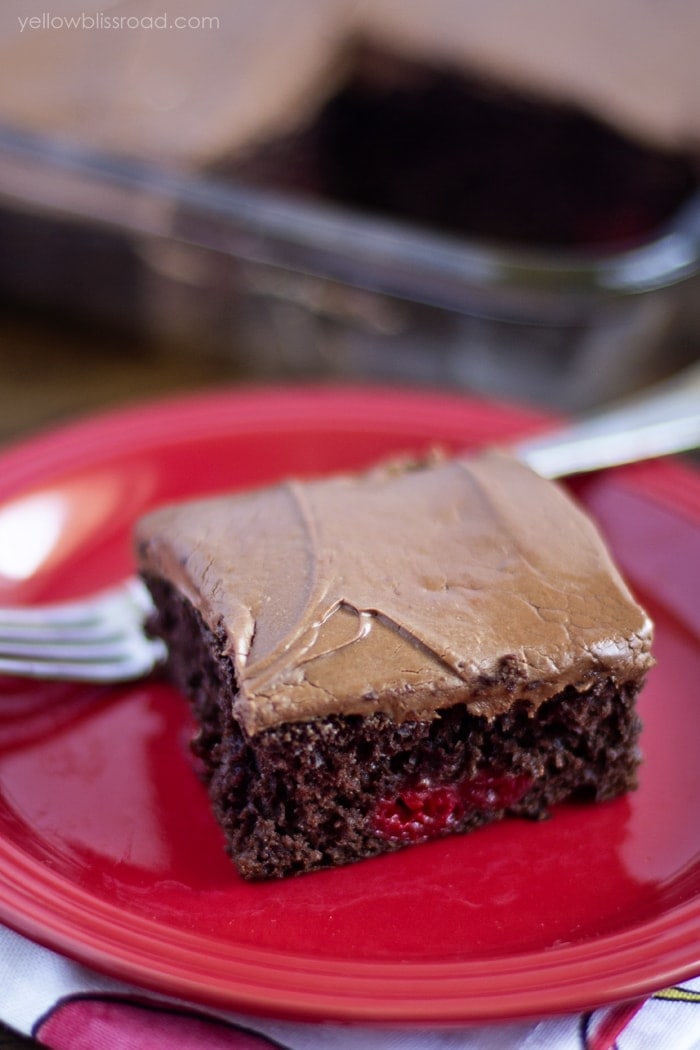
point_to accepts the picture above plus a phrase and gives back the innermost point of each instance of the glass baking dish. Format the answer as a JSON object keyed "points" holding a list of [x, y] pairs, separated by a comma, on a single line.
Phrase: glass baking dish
{"points": [[288, 287]]}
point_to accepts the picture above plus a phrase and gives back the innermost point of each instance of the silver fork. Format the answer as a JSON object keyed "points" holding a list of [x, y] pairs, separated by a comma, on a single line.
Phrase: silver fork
{"points": [[102, 638], [98, 639]]}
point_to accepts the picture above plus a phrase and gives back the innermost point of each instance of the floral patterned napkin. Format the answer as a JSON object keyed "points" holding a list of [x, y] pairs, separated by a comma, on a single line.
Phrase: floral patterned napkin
{"points": [[66, 1006]]}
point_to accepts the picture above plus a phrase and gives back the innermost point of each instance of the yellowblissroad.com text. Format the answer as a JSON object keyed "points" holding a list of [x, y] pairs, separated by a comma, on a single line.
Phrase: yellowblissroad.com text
{"points": [[102, 21]]}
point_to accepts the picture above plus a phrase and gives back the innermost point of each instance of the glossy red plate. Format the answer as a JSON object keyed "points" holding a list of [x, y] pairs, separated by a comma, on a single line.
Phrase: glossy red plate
{"points": [[108, 851]]}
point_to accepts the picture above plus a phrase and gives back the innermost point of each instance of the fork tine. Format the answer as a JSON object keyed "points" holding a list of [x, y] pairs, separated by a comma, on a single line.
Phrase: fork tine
{"points": [[63, 615], [122, 665], [58, 649], [101, 639], [47, 633], [125, 670], [79, 614]]}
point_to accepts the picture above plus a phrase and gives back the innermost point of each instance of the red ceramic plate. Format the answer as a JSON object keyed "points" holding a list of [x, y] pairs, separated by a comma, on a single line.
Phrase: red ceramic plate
{"points": [[108, 851]]}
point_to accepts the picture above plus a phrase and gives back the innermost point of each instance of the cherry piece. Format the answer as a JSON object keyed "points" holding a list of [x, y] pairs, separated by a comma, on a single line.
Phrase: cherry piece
{"points": [[423, 810]]}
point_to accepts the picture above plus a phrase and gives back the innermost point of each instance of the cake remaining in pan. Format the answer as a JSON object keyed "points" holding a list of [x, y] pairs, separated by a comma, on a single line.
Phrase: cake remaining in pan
{"points": [[379, 659]]}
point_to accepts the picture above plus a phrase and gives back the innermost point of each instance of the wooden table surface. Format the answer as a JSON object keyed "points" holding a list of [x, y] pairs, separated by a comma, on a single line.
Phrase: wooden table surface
{"points": [[51, 370]]}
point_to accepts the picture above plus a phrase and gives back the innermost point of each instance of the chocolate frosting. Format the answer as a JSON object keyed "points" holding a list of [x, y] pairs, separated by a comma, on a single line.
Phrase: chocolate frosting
{"points": [[402, 590]]}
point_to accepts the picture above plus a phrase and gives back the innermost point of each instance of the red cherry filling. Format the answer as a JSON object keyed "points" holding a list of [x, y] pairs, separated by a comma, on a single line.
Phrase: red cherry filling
{"points": [[424, 810], [490, 791], [417, 814]]}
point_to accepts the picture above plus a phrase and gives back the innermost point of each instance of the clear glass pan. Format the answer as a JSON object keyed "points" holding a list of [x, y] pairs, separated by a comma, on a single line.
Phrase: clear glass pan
{"points": [[291, 287]]}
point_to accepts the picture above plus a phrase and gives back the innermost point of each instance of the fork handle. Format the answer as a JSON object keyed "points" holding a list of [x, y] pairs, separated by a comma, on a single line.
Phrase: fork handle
{"points": [[660, 421]]}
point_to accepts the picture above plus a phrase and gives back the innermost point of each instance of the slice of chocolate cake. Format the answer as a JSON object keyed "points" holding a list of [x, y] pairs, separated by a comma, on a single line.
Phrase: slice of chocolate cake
{"points": [[379, 659]]}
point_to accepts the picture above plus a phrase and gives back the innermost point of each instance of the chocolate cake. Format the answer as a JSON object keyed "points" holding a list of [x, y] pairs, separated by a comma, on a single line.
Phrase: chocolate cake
{"points": [[464, 155], [375, 660]]}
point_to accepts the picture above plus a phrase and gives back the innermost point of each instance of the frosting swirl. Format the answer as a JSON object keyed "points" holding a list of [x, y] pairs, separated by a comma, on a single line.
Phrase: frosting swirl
{"points": [[403, 590]]}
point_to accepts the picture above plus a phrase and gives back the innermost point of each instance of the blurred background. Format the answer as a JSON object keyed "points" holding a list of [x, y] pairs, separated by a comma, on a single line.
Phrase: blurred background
{"points": [[496, 198]]}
